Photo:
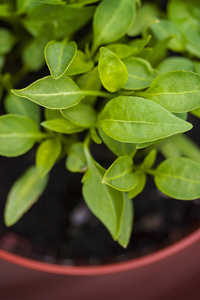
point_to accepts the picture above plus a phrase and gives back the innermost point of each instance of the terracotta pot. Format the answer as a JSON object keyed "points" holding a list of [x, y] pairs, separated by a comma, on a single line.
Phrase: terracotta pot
{"points": [[172, 273]]}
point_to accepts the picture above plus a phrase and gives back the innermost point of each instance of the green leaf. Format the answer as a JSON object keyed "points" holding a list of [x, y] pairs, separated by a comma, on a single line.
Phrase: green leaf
{"points": [[165, 28], [50, 93], [139, 44], [106, 203], [179, 178], [46, 156], [62, 126], [94, 135], [23, 194], [118, 148], [176, 63], [159, 51], [18, 134], [126, 222], [140, 73], [122, 50], [177, 91], [112, 20], [149, 160], [51, 114], [120, 175], [33, 55], [112, 71], [196, 112], [141, 182], [68, 19], [59, 56], [19, 106], [187, 21], [137, 120], [76, 161], [145, 15], [81, 115], [90, 81], [79, 65], [6, 41]]}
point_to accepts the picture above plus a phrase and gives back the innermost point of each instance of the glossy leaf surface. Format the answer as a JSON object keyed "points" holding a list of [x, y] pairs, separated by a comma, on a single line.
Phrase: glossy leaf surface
{"points": [[179, 178], [59, 56], [177, 91], [137, 120]]}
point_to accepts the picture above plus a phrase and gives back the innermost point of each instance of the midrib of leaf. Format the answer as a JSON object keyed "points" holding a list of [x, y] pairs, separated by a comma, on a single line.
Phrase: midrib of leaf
{"points": [[118, 176], [138, 122], [106, 28], [111, 204], [177, 177], [80, 92], [173, 93], [24, 135], [61, 52]]}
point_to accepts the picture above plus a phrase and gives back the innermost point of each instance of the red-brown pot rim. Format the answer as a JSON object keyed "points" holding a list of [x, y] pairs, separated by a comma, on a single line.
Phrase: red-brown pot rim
{"points": [[103, 269]]}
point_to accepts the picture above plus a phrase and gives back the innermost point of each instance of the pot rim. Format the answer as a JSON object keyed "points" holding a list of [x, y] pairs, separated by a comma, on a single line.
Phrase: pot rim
{"points": [[107, 268]]}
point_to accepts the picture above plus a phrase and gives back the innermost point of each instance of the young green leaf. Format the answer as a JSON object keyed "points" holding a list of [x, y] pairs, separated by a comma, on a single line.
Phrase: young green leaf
{"points": [[81, 115], [46, 156], [120, 175], [112, 20], [126, 222], [179, 178], [23, 194], [139, 44], [149, 160], [6, 41], [106, 203], [163, 29], [62, 126], [118, 148], [146, 13], [137, 120], [19, 106], [79, 65], [112, 71], [141, 182], [50, 93], [91, 82], [187, 19], [76, 161], [68, 19], [94, 135], [33, 55], [140, 73], [177, 91], [51, 114], [122, 50], [59, 56], [176, 63], [18, 134]]}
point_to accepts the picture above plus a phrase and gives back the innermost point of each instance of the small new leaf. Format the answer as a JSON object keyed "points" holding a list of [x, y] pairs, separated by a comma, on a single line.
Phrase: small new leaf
{"points": [[112, 70], [120, 175], [59, 56]]}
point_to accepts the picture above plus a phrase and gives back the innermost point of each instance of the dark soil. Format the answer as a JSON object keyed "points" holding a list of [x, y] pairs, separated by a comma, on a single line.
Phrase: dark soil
{"points": [[59, 228]]}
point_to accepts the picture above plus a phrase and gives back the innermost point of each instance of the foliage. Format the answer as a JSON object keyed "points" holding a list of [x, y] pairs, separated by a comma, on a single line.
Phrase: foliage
{"points": [[122, 74]]}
